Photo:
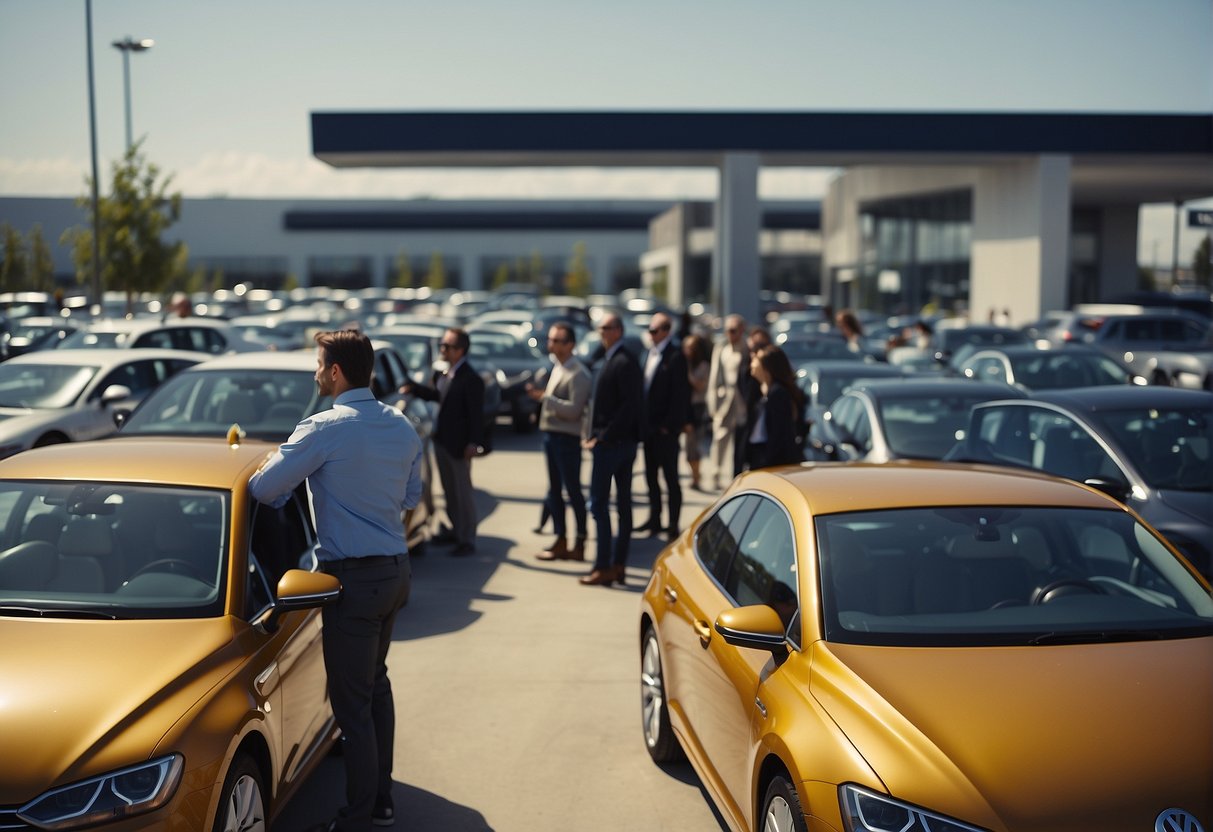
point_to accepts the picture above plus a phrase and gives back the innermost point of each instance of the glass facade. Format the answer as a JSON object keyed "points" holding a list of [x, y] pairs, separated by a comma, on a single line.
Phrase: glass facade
{"points": [[227, 272], [340, 272], [914, 254]]}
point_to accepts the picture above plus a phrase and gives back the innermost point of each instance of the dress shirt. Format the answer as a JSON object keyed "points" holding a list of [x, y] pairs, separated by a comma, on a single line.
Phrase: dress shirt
{"points": [[653, 362], [362, 460]]}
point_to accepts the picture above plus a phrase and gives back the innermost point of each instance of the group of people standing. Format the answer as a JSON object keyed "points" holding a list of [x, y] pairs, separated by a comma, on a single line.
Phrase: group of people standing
{"points": [[745, 386], [362, 460]]}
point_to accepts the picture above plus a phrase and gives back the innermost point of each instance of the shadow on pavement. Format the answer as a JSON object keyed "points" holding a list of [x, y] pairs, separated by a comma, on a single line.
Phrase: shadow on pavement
{"points": [[684, 773], [415, 808]]}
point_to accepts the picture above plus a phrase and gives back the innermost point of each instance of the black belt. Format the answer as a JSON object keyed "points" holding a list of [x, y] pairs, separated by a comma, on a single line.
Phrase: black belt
{"points": [[330, 566]]}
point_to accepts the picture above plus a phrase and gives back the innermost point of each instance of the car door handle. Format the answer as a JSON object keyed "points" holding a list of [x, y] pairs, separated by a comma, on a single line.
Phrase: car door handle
{"points": [[704, 630], [265, 677], [671, 595]]}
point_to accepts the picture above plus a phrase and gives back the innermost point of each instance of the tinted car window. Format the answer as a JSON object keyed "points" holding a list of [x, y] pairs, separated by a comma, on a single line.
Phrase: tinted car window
{"points": [[764, 568], [718, 538]]}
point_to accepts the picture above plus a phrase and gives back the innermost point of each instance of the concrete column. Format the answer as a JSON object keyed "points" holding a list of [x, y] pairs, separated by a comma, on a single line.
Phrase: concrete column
{"points": [[736, 267], [469, 272], [1117, 250], [1021, 238]]}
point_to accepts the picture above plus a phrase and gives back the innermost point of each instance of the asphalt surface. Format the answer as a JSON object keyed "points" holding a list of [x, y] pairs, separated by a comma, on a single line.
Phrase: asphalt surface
{"points": [[517, 689]]}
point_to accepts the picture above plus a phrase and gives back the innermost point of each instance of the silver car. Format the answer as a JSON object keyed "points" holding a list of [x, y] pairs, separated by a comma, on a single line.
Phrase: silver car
{"points": [[55, 396]]}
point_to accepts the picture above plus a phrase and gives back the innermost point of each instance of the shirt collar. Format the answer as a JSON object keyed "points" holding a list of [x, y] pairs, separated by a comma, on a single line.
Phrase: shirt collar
{"points": [[357, 394], [456, 366]]}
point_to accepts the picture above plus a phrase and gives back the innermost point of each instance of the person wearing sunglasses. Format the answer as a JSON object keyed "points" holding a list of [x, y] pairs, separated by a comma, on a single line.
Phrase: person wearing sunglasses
{"points": [[614, 433], [667, 405], [458, 435]]}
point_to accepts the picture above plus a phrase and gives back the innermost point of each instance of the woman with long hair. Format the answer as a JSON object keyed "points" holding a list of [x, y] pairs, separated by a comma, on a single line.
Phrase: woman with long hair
{"points": [[699, 360], [774, 435]]}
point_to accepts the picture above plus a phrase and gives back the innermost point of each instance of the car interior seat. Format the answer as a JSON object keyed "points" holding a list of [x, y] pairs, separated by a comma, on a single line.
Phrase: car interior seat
{"points": [[86, 549], [28, 565]]}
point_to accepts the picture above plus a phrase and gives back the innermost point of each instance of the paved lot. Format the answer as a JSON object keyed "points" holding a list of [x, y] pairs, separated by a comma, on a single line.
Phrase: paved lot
{"points": [[517, 691]]}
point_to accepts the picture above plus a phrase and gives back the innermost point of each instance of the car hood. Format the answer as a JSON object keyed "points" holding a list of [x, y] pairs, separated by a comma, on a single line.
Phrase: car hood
{"points": [[79, 698], [1074, 737]]}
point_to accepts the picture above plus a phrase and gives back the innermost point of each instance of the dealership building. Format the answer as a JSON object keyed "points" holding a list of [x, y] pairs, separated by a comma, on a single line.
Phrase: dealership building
{"points": [[1019, 212]]}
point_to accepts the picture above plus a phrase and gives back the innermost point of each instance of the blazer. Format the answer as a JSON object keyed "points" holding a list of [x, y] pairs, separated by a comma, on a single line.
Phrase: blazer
{"points": [[667, 404], [782, 419], [461, 413], [618, 396]]}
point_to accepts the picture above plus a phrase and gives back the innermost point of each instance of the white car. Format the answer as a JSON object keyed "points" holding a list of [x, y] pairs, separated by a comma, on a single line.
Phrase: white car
{"points": [[208, 335], [55, 396]]}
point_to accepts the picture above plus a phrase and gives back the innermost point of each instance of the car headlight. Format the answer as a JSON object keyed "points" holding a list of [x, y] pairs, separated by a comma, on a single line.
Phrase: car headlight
{"points": [[110, 797], [865, 811]]}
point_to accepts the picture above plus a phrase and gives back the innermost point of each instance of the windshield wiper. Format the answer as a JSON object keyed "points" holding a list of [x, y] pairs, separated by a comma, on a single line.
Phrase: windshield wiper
{"points": [[1097, 636], [35, 612]]}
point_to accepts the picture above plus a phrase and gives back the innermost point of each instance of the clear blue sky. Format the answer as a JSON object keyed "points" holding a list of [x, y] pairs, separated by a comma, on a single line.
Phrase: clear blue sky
{"points": [[224, 96]]}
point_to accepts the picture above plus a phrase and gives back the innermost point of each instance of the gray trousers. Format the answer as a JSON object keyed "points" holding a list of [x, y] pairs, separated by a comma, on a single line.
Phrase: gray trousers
{"points": [[456, 476], [357, 635]]}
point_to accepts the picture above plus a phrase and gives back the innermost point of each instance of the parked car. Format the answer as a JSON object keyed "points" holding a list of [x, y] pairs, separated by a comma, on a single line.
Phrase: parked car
{"points": [[925, 646], [824, 381], [267, 394], [946, 341], [207, 335], [1191, 368], [517, 361], [1151, 447], [38, 333], [911, 418], [162, 639], [54, 396], [1031, 368], [1136, 338]]}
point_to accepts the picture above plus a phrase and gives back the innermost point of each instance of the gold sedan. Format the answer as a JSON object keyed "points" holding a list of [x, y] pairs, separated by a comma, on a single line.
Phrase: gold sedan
{"points": [[161, 632], [917, 647]]}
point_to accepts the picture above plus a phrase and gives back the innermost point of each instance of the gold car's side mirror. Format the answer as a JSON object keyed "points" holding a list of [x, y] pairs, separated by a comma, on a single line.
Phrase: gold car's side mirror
{"points": [[757, 626], [300, 590]]}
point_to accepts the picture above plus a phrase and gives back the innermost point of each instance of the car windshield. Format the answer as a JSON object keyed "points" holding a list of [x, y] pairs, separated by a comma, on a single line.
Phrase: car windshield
{"points": [[414, 349], [800, 350], [1171, 448], [82, 339], [88, 549], [496, 347], [267, 404], [1002, 575], [43, 386], [925, 427], [1058, 370]]}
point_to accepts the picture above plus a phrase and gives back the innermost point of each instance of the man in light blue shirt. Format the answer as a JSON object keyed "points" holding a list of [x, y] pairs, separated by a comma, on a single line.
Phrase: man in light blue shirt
{"points": [[362, 460]]}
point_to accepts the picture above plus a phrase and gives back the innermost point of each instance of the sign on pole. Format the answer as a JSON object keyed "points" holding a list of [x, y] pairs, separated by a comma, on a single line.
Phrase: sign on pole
{"points": [[1200, 218]]}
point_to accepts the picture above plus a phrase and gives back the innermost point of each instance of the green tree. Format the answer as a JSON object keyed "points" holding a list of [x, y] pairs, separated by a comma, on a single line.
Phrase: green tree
{"points": [[578, 280], [1202, 263], [133, 219], [536, 269], [436, 277], [501, 276], [404, 270], [41, 262], [14, 268]]}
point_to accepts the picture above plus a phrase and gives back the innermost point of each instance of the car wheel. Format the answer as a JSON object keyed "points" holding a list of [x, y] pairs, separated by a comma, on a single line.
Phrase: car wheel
{"points": [[242, 804], [50, 439], [654, 713], [781, 810]]}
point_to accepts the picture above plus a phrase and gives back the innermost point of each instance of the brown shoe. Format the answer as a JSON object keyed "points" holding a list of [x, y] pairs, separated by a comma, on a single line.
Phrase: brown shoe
{"points": [[619, 574], [557, 551], [578, 550], [599, 577]]}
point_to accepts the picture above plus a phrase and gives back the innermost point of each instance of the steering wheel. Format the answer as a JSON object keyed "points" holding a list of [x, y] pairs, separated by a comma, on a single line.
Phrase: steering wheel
{"points": [[1065, 586], [173, 565], [1006, 602]]}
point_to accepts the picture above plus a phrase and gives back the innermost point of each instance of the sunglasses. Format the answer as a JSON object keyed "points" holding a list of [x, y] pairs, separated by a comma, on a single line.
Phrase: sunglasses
{"points": [[445, 346], [656, 330]]}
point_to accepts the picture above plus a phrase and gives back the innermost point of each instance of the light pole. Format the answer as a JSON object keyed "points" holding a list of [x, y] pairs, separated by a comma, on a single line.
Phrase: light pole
{"points": [[92, 134], [126, 47]]}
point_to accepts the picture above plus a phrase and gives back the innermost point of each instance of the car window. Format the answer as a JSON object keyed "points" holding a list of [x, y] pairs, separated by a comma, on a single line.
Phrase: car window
{"points": [[717, 539], [1001, 434], [763, 570], [1065, 449], [281, 539]]}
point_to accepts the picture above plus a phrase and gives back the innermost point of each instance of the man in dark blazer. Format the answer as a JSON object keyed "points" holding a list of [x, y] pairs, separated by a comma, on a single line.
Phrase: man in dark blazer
{"points": [[458, 435], [667, 405], [613, 435]]}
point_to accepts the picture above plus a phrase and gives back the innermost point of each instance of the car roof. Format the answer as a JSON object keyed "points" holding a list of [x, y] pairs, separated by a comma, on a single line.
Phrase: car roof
{"points": [[831, 366], [195, 462], [150, 323], [1116, 397], [835, 487], [936, 387], [104, 356], [304, 359]]}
